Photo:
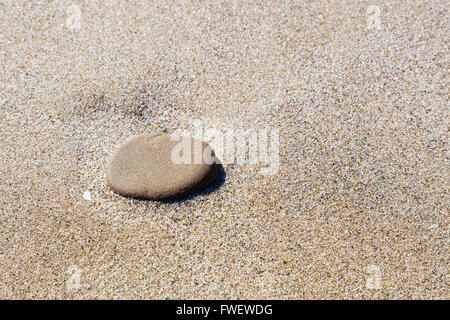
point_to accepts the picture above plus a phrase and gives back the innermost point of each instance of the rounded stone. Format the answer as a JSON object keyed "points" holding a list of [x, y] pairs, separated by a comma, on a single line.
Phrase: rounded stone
{"points": [[144, 167]]}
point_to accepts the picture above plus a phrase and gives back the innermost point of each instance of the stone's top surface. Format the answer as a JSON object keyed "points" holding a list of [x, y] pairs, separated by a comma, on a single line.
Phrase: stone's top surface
{"points": [[142, 167]]}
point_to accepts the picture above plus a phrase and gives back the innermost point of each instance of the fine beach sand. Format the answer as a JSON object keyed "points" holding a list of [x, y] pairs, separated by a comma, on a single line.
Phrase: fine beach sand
{"points": [[358, 209]]}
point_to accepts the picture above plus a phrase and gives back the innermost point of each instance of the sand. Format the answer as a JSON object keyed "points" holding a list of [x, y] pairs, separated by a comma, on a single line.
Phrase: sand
{"points": [[358, 208]]}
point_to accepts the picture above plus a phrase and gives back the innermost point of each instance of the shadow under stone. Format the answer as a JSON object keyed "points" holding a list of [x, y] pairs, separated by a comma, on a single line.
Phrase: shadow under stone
{"points": [[220, 180]]}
